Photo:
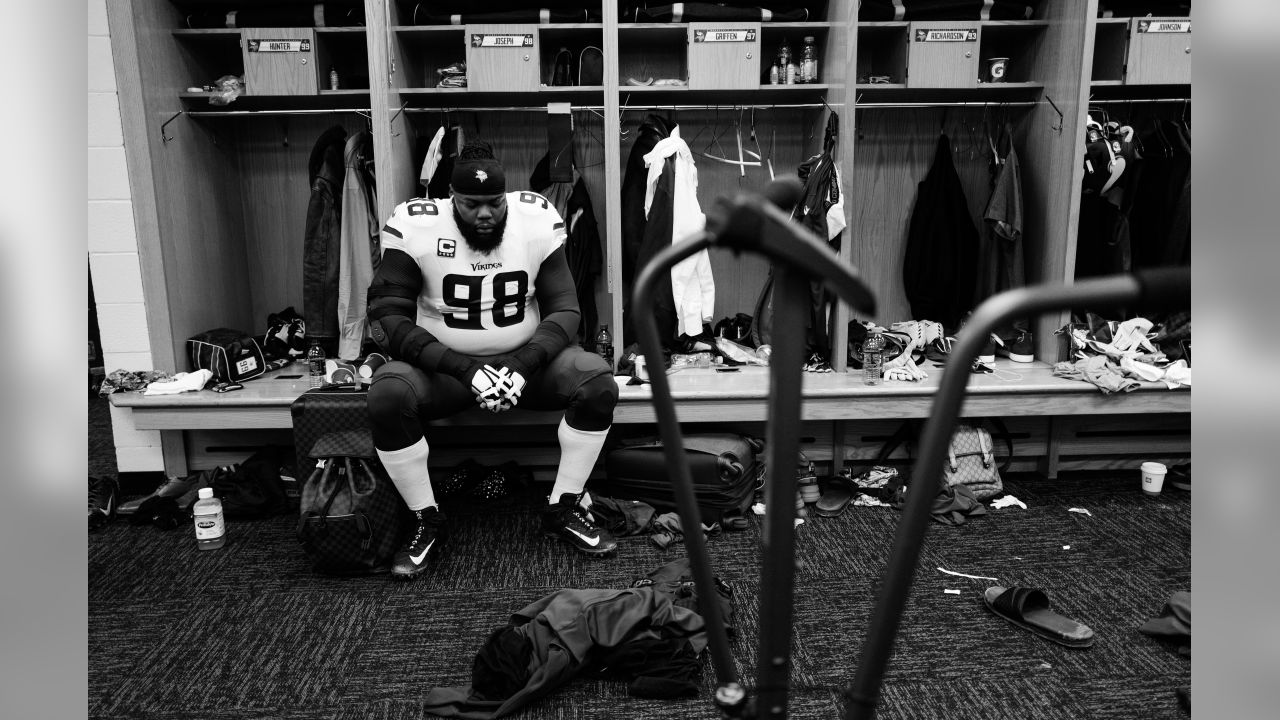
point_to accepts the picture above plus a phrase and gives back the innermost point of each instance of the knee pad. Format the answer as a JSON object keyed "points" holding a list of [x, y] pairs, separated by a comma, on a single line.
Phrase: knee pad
{"points": [[592, 405], [389, 398]]}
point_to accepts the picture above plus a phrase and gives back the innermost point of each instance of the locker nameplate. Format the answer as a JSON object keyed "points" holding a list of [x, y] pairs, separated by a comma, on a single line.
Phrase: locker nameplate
{"points": [[270, 45], [481, 40], [734, 35], [1164, 26], [955, 35]]}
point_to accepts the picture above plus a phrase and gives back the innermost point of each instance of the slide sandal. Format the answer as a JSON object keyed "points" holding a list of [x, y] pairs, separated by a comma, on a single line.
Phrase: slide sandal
{"points": [[836, 497], [1029, 608]]}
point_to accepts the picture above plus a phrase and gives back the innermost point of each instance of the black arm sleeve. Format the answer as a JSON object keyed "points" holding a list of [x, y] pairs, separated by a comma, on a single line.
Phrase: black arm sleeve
{"points": [[393, 312], [558, 302]]}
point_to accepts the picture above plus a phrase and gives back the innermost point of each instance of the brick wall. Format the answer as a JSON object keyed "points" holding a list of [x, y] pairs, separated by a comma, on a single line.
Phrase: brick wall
{"points": [[113, 246]]}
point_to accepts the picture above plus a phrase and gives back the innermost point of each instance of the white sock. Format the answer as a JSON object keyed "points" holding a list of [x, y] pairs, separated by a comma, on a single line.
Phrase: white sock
{"points": [[408, 470], [579, 450]]}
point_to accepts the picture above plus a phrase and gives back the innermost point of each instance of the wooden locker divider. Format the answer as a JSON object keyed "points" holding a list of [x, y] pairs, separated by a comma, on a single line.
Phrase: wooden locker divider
{"points": [[280, 61], [943, 54], [724, 55], [1159, 51], [503, 58]]}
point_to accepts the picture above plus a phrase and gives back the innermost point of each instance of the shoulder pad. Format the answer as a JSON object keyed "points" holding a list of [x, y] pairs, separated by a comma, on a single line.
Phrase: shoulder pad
{"points": [[529, 203], [419, 211]]}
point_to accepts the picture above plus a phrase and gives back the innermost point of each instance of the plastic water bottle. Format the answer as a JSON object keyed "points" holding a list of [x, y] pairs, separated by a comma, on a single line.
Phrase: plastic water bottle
{"points": [[809, 61], [786, 68], [604, 344], [211, 530], [873, 357], [315, 364]]}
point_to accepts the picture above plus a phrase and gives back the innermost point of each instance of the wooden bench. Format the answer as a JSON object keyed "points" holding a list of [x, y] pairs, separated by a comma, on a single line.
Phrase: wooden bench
{"points": [[1057, 423]]}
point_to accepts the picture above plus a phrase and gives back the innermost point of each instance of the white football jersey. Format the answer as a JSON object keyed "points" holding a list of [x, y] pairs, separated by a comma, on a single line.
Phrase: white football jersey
{"points": [[474, 303]]}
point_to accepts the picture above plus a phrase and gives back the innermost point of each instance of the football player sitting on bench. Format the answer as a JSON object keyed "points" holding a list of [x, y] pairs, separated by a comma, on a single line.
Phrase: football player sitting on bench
{"points": [[475, 303]]}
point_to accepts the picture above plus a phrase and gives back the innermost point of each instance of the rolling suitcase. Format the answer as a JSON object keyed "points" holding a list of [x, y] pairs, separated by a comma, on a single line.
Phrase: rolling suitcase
{"points": [[320, 411], [727, 470]]}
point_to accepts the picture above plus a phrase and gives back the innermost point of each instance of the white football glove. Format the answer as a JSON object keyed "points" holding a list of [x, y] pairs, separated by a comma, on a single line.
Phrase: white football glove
{"points": [[497, 389]]}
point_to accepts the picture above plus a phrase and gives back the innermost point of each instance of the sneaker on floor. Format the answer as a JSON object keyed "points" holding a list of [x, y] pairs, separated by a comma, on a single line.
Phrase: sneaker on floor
{"points": [[568, 520], [428, 534], [1017, 345], [102, 501], [173, 487]]}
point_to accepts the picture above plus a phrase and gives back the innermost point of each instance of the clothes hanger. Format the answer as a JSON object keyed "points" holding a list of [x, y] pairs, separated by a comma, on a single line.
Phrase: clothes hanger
{"points": [[590, 136], [754, 141], [741, 162]]}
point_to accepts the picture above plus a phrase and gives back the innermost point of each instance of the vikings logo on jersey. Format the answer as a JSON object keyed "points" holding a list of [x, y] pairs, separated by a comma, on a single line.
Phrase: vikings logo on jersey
{"points": [[477, 303]]}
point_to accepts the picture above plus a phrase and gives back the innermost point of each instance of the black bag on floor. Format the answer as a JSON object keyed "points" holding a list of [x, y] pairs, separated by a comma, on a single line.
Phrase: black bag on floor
{"points": [[727, 469], [351, 518]]}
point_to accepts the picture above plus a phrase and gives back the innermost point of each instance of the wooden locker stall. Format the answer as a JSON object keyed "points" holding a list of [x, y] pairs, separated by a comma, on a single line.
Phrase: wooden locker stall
{"points": [[1140, 77], [224, 214], [723, 96], [940, 88]]}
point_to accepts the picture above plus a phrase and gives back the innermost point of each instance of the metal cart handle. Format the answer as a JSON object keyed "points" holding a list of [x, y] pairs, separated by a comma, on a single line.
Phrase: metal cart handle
{"points": [[754, 223]]}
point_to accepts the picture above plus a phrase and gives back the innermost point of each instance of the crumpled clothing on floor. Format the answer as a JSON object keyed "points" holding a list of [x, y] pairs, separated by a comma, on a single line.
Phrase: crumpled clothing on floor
{"points": [[640, 634], [952, 504], [1173, 623], [622, 517], [666, 530]]}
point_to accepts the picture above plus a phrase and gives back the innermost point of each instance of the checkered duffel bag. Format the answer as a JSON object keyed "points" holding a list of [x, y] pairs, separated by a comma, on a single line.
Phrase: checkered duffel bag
{"points": [[351, 518]]}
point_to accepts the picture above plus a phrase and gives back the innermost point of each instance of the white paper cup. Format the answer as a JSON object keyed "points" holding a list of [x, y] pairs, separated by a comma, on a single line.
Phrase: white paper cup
{"points": [[1153, 477]]}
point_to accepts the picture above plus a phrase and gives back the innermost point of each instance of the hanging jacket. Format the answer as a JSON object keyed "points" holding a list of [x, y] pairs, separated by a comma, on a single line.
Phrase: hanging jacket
{"points": [[821, 210], [940, 266], [583, 245], [322, 238], [652, 130], [359, 246], [1001, 264], [693, 289]]}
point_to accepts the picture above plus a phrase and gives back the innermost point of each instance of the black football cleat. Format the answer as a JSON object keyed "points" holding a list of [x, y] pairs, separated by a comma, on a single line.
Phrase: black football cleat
{"points": [[428, 534], [572, 523], [102, 501]]}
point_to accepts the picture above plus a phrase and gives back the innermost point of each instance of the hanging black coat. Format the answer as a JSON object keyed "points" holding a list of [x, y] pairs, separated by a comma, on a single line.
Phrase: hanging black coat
{"points": [[652, 130], [321, 245], [820, 191], [939, 271], [582, 248]]}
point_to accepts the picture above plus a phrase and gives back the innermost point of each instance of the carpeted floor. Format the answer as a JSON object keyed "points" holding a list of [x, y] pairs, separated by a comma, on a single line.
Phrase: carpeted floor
{"points": [[249, 631]]}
